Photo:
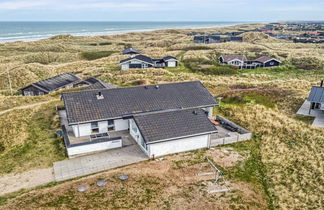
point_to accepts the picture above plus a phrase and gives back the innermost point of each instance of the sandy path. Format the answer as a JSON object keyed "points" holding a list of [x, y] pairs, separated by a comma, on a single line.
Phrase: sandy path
{"points": [[26, 106], [14, 182]]}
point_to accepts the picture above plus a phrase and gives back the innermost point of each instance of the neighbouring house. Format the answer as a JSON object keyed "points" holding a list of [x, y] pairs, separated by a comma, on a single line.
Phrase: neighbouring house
{"points": [[93, 83], [130, 51], [142, 61], [242, 62], [313, 106], [234, 60], [268, 61], [216, 38], [62, 81], [162, 119]]}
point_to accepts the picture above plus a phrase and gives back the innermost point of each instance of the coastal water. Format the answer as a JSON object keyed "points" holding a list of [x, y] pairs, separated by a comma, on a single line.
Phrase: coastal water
{"points": [[25, 31]]}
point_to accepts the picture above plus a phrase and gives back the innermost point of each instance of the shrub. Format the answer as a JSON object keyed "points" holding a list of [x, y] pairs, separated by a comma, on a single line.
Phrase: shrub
{"points": [[42, 58], [195, 65], [96, 55], [308, 63], [199, 47]]}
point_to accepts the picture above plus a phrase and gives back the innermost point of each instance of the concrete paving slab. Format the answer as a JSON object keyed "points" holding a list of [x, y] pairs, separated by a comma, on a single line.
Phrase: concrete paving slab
{"points": [[318, 114], [84, 165]]}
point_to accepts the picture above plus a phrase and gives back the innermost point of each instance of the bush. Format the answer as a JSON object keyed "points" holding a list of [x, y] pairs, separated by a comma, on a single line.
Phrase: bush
{"points": [[96, 55], [196, 66], [42, 58], [308, 63], [200, 47]]}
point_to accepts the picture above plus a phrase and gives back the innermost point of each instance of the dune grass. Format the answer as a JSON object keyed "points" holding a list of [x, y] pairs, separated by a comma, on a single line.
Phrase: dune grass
{"points": [[28, 139]]}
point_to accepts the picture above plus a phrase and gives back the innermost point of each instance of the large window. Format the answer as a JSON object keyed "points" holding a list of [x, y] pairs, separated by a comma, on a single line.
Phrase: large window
{"points": [[94, 127], [111, 125]]}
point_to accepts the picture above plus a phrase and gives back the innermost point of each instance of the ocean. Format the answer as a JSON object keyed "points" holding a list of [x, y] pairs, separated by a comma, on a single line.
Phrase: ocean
{"points": [[27, 31]]}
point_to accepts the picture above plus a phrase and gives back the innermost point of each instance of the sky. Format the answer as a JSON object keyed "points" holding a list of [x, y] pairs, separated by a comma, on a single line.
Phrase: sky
{"points": [[161, 10]]}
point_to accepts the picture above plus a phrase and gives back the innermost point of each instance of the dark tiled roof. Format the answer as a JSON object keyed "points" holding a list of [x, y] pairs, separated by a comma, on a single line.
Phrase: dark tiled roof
{"points": [[130, 51], [173, 124], [264, 59], [94, 84], [84, 106], [169, 57], [139, 57], [316, 94], [228, 58], [55, 83], [99, 85]]}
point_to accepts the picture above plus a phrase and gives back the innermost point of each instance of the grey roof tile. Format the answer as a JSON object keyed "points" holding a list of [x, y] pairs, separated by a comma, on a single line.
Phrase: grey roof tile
{"points": [[316, 94], [84, 106], [55, 83], [173, 124]]}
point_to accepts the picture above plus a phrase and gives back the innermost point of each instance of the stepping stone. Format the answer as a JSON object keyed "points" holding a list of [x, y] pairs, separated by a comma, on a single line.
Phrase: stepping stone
{"points": [[123, 177], [101, 183], [83, 188]]}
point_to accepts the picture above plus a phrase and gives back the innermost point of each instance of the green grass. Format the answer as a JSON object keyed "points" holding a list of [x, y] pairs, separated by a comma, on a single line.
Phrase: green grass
{"points": [[251, 170], [40, 148], [93, 55], [251, 98]]}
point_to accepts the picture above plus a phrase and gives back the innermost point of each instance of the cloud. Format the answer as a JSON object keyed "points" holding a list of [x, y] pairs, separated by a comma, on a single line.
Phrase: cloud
{"points": [[112, 4], [16, 5]]}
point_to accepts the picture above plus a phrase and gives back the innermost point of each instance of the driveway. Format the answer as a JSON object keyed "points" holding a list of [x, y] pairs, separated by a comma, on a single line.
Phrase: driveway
{"points": [[80, 166]]}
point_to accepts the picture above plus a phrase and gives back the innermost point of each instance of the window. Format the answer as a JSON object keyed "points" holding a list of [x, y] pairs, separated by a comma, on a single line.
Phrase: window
{"points": [[28, 93], [272, 63], [94, 125]]}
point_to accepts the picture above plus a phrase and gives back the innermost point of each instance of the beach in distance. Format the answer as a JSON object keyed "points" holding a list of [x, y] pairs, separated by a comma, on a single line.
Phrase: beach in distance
{"points": [[28, 31]]}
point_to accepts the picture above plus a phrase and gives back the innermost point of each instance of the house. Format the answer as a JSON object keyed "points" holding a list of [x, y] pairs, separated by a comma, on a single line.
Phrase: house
{"points": [[162, 119], [236, 39], [241, 62], [313, 106], [66, 80], [316, 97], [234, 60], [142, 61], [268, 61], [93, 83], [207, 39], [130, 51]]}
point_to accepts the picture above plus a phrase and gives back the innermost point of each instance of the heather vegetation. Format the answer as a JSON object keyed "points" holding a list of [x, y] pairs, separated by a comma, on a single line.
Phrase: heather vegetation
{"points": [[285, 164]]}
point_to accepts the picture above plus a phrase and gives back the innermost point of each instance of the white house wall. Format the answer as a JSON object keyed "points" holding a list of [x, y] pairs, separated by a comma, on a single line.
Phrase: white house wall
{"points": [[124, 66], [103, 126], [89, 148], [121, 125], [82, 129], [179, 145], [210, 111], [137, 136]]}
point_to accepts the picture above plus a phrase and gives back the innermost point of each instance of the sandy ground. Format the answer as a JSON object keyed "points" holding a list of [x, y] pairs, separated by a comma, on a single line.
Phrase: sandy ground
{"points": [[14, 182]]}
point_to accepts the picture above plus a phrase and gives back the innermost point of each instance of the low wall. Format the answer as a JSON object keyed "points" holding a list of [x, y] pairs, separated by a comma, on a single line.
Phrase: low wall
{"points": [[94, 147], [240, 130], [91, 146], [241, 135]]}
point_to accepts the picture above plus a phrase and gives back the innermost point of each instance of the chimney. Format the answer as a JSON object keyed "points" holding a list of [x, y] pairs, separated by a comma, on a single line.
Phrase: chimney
{"points": [[322, 81], [99, 95], [157, 87], [195, 112], [145, 87]]}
